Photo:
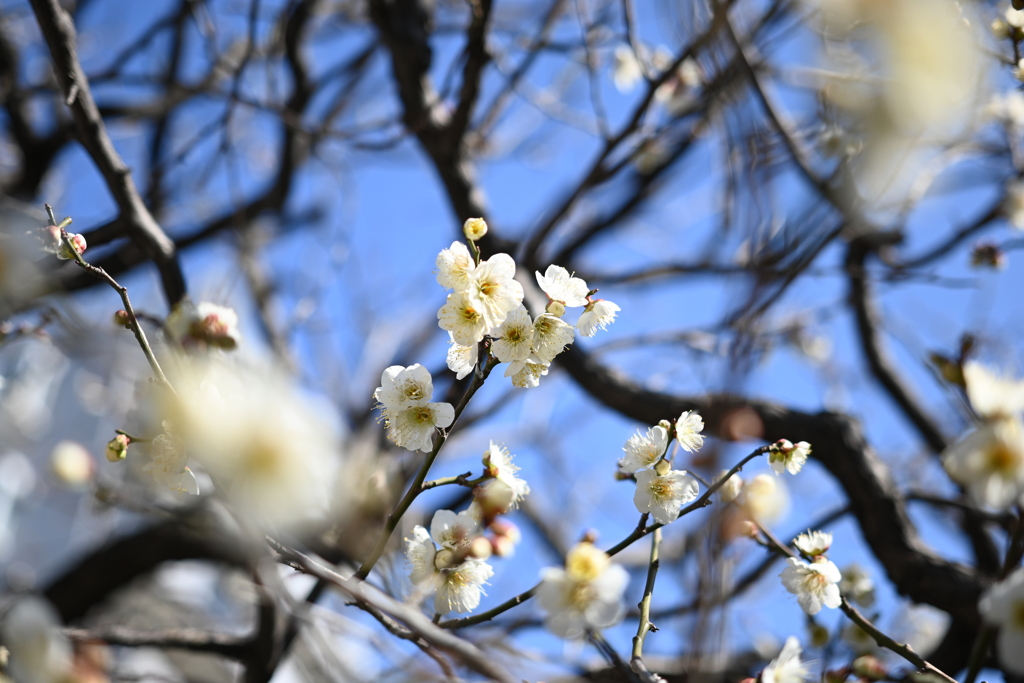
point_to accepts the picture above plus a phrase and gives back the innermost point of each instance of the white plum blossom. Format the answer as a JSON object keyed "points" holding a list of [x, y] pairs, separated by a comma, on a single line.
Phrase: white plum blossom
{"points": [[857, 585], [1003, 606], [493, 290], [420, 552], [814, 583], [562, 287], [643, 450], [626, 71], [168, 463], [460, 587], [37, 648], [813, 543], [526, 374], [413, 428], [786, 667], [989, 462], [454, 266], [204, 324], [454, 531], [992, 396], [585, 595], [786, 456], [597, 316], [463, 318], [550, 337], [498, 463], [688, 431], [513, 339], [461, 359], [401, 387], [731, 489], [764, 498], [1013, 206], [663, 494]]}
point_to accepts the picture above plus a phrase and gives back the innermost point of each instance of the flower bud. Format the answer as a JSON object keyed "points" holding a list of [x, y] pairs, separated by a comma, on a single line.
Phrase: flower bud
{"points": [[869, 667], [445, 559], [117, 448], [666, 425], [77, 241], [480, 548], [819, 635], [663, 467], [750, 529], [122, 319], [71, 463], [836, 675], [502, 546], [556, 308], [494, 498], [730, 490], [474, 228]]}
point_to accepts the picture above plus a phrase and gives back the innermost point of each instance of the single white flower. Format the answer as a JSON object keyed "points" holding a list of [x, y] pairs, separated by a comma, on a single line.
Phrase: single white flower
{"points": [[688, 429], [560, 286], [168, 463], [1015, 17], [513, 339], [585, 595], [597, 316], [764, 498], [413, 428], [459, 588], [454, 266], [38, 649], [461, 359], [526, 374], [989, 462], [664, 494], [454, 531], [463, 318], [203, 324], [626, 71], [550, 336], [72, 464], [785, 456], [643, 450], [786, 667], [814, 584], [498, 463], [268, 448], [493, 290], [813, 543], [1008, 107], [1003, 606], [420, 552], [403, 387], [992, 396], [857, 585]]}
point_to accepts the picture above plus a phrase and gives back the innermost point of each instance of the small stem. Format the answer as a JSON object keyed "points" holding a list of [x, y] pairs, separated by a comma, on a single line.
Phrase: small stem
{"points": [[461, 480], [417, 485], [101, 274], [645, 625]]}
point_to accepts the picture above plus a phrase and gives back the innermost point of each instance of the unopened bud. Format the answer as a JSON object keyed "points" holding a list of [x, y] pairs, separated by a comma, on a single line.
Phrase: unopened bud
{"points": [[77, 242], [556, 308], [869, 667], [71, 463], [750, 529], [117, 448], [502, 546], [445, 559], [665, 424], [819, 635], [836, 675], [663, 467], [503, 527], [731, 489], [474, 228], [480, 548], [589, 536], [122, 319]]}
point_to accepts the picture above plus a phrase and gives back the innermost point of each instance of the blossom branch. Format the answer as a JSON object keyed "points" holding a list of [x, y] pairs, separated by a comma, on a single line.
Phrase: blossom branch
{"points": [[645, 626], [417, 486], [179, 638]]}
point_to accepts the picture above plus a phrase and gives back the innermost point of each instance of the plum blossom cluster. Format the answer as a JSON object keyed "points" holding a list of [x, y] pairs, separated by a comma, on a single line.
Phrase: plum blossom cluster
{"points": [[487, 303], [660, 490], [451, 559], [404, 401], [989, 461], [815, 582]]}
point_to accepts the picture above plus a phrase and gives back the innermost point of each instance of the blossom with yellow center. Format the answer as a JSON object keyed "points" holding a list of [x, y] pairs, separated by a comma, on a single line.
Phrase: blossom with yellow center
{"points": [[663, 494], [643, 450], [814, 584], [585, 595], [989, 462], [464, 318]]}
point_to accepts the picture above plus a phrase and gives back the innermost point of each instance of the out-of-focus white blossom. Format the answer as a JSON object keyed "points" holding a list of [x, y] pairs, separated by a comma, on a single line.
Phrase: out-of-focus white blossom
{"points": [[38, 649], [1003, 606], [663, 494], [560, 286], [462, 318], [989, 462], [513, 339], [785, 456], [498, 463], [764, 498], [585, 595], [813, 543], [857, 585], [814, 583], [205, 324], [688, 431], [72, 464], [786, 667], [598, 315], [454, 266], [731, 489], [643, 450], [1007, 107], [168, 463], [493, 290], [992, 396], [267, 447], [626, 70]]}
